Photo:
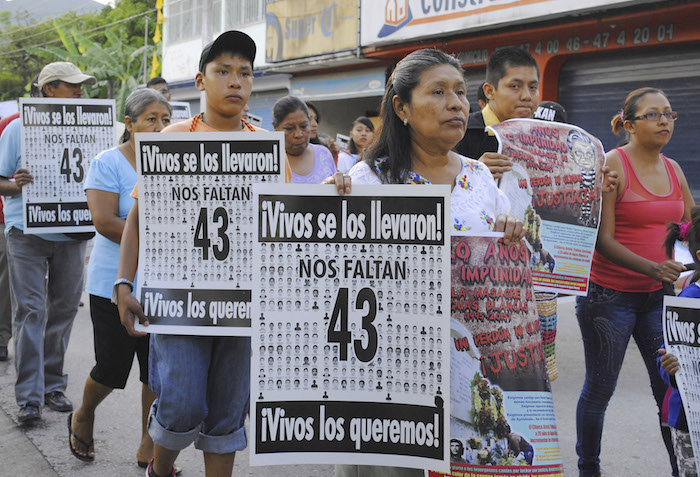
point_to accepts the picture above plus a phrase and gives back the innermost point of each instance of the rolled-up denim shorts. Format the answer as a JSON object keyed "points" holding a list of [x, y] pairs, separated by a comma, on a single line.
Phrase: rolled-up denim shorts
{"points": [[202, 384]]}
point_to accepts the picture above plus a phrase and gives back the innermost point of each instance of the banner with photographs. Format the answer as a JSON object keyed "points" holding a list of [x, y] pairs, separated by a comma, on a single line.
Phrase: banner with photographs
{"points": [[196, 227], [555, 188], [681, 324], [502, 420], [60, 137], [181, 111], [351, 327]]}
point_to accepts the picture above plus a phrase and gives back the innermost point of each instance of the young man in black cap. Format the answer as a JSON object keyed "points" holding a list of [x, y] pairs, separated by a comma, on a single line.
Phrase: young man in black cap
{"points": [[202, 382]]}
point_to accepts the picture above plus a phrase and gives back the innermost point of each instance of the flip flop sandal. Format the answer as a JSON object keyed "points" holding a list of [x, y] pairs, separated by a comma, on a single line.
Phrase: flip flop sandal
{"points": [[144, 465], [147, 465], [87, 445]]}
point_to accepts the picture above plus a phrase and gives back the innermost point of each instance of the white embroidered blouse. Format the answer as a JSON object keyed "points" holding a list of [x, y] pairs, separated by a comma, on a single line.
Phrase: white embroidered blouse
{"points": [[475, 202]]}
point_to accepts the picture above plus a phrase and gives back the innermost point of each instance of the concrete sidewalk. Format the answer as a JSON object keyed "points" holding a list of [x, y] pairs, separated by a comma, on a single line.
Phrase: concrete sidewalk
{"points": [[632, 443]]}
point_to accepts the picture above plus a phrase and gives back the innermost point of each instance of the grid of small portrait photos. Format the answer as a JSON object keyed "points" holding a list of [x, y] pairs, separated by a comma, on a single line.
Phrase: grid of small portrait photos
{"points": [[396, 292], [196, 229]]}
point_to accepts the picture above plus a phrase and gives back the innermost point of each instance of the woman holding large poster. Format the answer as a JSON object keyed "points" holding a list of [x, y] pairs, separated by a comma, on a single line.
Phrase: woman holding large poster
{"points": [[424, 115], [630, 269]]}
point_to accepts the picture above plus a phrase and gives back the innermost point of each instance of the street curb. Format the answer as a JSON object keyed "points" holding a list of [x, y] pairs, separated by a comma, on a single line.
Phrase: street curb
{"points": [[18, 454]]}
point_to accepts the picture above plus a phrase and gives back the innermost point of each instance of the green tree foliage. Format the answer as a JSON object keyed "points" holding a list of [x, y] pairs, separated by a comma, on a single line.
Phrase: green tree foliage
{"points": [[104, 45]]}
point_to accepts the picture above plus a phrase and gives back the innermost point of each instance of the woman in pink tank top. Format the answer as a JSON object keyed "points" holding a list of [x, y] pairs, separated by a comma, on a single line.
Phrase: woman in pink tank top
{"points": [[630, 268]]}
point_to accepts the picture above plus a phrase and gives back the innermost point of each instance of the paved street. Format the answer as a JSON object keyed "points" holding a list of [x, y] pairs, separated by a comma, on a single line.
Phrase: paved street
{"points": [[632, 444]]}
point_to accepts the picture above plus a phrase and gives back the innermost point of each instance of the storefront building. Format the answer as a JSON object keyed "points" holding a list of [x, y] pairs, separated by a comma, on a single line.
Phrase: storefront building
{"points": [[316, 42], [591, 53]]}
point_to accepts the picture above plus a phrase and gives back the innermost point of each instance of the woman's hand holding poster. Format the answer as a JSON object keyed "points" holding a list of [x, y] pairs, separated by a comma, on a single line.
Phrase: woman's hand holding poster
{"points": [[555, 189], [502, 415]]}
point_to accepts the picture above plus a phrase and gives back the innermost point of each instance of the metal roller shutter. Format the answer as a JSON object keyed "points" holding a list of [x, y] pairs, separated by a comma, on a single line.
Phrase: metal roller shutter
{"points": [[593, 89]]}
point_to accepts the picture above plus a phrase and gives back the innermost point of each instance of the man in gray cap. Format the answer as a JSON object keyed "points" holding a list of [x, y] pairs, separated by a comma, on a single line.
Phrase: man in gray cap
{"points": [[43, 311]]}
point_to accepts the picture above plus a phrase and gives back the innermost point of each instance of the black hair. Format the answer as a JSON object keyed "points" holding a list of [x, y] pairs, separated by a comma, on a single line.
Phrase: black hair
{"points": [[359, 120], [691, 234], [54, 84], [285, 106], [155, 80], [480, 95], [136, 104], [631, 107], [506, 57], [34, 90], [394, 139], [313, 107]]}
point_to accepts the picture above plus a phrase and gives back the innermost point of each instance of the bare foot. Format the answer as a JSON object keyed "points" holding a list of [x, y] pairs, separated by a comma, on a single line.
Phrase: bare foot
{"points": [[83, 428]]}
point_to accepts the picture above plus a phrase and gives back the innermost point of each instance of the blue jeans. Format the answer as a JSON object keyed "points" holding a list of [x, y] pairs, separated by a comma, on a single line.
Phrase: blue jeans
{"points": [[607, 319], [203, 389]]}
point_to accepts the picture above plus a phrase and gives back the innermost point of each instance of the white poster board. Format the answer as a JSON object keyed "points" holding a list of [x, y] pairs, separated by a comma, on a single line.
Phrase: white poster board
{"points": [[351, 331], [681, 324], [60, 137], [196, 227], [181, 111]]}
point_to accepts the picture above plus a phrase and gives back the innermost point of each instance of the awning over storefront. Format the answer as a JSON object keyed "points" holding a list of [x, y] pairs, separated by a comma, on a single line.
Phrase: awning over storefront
{"points": [[345, 85]]}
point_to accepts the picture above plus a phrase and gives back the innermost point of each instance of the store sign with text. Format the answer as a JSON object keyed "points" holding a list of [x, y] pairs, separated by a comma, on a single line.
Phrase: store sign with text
{"points": [[401, 20], [314, 27]]}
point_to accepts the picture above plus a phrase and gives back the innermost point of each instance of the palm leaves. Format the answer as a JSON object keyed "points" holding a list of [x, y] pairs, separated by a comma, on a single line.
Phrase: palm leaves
{"points": [[115, 64]]}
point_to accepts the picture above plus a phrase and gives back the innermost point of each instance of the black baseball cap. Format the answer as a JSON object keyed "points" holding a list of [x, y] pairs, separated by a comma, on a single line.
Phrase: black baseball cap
{"points": [[233, 41], [550, 111]]}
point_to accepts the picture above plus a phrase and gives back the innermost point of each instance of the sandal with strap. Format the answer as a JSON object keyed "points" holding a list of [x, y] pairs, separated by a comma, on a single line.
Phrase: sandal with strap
{"points": [[87, 445], [144, 465], [175, 471]]}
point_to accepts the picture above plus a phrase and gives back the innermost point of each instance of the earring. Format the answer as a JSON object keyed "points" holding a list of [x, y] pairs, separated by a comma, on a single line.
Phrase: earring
{"points": [[405, 121]]}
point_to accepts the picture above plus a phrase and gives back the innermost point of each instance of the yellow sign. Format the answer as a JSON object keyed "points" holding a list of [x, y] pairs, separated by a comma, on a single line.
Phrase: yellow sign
{"points": [[313, 27]]}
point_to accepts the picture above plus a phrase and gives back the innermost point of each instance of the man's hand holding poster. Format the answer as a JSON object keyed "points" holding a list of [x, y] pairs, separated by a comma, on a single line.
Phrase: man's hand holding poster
{"points": [[196, 227], [555, 189], [351, 329], [502, 420], [60, 137]]}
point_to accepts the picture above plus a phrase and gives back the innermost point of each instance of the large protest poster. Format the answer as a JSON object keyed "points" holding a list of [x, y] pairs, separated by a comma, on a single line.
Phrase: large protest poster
{"points": [[181, 111], [351, 329], [196, 227], [502, 420], [60, 137], [555, 188], [681, 324]]}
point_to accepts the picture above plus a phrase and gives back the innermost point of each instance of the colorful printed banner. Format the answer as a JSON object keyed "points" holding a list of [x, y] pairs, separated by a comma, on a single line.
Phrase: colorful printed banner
{"points": [[555, 188], [502, 420]]}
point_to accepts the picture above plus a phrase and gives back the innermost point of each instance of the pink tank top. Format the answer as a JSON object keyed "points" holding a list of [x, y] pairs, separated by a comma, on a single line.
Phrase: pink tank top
{"points": [[640, 225]]}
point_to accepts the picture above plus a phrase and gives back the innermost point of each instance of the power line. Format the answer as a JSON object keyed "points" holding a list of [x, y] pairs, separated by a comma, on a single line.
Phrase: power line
{"points": [[95, 30]]}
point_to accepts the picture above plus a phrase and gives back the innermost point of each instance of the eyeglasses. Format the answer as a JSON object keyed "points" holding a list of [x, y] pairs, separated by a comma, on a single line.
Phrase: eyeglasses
{"points": [[655, 116]]}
